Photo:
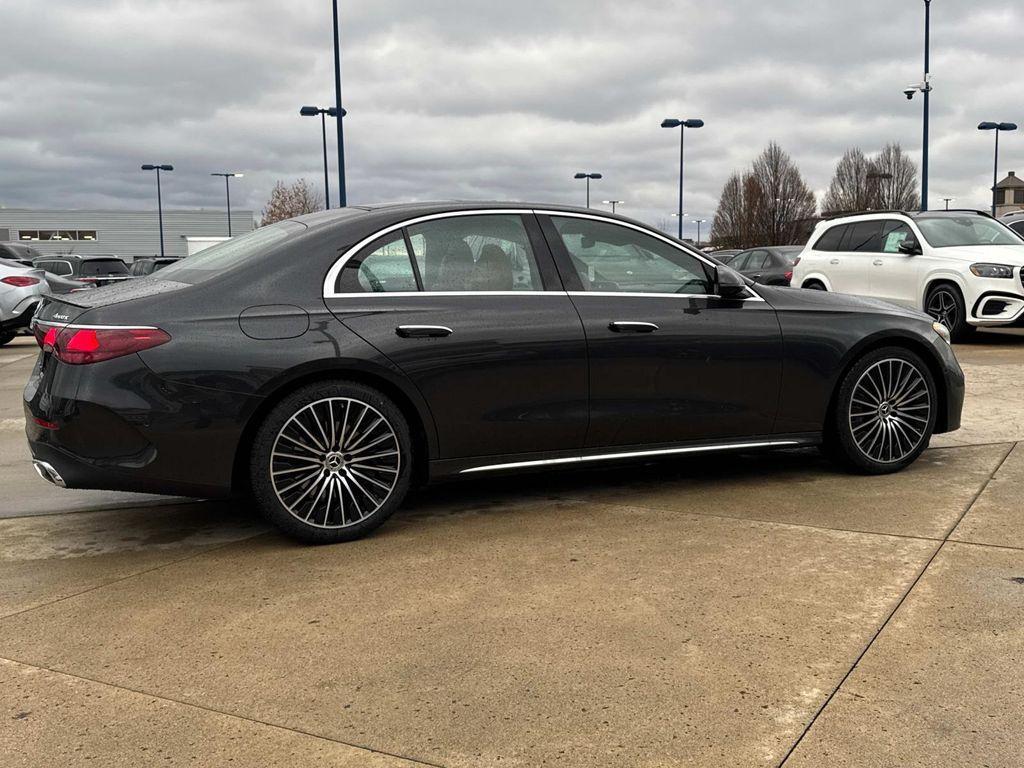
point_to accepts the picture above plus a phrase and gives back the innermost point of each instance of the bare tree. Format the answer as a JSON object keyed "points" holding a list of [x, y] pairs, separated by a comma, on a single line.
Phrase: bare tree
{"points": [[289, 201], [897, 180], [728, 229], [851, 188]]}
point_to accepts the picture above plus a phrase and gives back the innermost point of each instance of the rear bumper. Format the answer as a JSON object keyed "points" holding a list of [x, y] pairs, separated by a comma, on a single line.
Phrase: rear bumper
{"points": [[116, 425], [22, 315]]}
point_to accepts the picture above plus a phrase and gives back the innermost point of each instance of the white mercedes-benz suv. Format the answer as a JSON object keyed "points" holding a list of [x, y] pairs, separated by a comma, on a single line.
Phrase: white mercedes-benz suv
{"points": [[961, 267]]}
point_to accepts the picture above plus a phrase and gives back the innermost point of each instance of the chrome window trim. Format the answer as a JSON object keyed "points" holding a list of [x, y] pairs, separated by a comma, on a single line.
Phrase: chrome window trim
{"points": [[755, 297], [332, 274], [424, 294], [630, 454]]}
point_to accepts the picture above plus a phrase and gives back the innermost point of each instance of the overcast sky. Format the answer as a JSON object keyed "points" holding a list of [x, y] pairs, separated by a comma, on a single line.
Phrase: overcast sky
{"points": [[490, 99]]}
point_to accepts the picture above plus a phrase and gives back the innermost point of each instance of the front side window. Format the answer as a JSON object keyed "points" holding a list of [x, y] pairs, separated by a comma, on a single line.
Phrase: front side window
{"points": [[952, 231], [613, 258], [894, 234], [382, 267], [489, 252]]}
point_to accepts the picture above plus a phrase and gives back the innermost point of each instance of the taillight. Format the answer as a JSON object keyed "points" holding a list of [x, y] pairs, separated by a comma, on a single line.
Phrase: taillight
{"points": [[80, 346], [20, 281], [788, 275]]}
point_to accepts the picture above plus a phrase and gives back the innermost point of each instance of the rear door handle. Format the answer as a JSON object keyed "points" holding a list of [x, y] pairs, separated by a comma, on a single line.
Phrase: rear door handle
{"points": [[629, 326], [423, 331], [878, 262], [834, 261]]}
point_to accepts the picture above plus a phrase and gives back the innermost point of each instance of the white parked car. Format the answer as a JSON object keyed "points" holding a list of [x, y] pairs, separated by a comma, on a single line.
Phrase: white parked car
{"points": [[21, 290], [961, 267]]}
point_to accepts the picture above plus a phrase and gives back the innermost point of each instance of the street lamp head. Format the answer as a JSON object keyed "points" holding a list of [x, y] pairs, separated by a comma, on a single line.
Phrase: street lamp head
{"points": [[227, 175], [609, 202], [151, 167], [1007, 126], [988, 126], [310, 111], [582, 175], [671, 122], [695, 123]]}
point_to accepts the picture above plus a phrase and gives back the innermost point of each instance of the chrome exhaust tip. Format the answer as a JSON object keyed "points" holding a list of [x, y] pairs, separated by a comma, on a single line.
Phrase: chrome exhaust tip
{"points": [[48, 473]]}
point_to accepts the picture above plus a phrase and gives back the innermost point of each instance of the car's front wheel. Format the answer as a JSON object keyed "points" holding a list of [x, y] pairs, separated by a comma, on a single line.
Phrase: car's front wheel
{"points": [[884, 413], [6, 337], [945, 303], [331, 462]]}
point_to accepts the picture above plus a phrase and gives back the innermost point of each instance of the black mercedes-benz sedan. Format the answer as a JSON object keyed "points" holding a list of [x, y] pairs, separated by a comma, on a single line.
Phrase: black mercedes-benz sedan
{"points": [[325, 364]]}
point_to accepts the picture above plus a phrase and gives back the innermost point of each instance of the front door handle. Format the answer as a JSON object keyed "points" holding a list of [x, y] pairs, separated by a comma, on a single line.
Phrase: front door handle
{"points": [[629, 326], [878, 262], [423, 331]]}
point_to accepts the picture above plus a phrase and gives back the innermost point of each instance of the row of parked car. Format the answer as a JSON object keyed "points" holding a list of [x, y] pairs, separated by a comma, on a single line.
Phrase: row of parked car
{"points": [[965, 268], [26, 276]]}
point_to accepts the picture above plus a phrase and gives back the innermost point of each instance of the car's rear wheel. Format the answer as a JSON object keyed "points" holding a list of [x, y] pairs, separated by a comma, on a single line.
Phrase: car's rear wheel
{"points": [[331, 462], [945, 303], [885, 412], [814, 285]]}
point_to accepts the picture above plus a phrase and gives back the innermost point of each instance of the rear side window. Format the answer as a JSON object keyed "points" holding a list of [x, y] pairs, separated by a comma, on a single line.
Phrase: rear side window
{"points": [[1018, 227], [490, 252], [383, 266], [103, 267], [830, 240], [864, 237]]}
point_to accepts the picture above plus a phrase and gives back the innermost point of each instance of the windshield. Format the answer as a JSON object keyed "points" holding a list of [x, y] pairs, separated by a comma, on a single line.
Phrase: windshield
{"points": [[219, 258], [100, 267], [950, 231]]}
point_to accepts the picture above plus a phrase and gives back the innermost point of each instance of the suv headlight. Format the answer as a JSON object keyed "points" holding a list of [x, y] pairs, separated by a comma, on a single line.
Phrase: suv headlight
{"points": [[991, 270], [943, 331]]}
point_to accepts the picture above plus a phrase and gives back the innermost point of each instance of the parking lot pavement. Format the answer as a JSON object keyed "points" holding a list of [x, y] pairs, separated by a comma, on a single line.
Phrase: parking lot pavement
{"points": [[734, 610]]}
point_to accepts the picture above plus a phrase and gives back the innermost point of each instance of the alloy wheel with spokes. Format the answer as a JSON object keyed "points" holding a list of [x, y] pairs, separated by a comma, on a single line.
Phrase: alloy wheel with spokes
{"points": [[942, 306], [330, 463], [885, 412], [890, 410]]}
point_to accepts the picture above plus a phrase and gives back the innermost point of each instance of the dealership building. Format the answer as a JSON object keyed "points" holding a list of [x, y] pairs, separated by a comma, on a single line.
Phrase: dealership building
{"points": [[128, 234]]}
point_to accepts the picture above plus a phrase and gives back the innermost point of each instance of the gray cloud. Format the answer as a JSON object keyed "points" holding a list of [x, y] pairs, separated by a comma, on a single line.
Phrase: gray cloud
{"points": [[487, 99]]}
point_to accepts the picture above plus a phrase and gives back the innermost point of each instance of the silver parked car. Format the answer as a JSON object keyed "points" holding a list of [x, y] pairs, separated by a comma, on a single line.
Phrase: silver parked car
{"points": [[21, 290]]}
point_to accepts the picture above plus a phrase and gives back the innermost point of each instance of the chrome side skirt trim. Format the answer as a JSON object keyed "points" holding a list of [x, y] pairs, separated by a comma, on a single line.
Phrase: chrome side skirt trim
{"points": [[631, 454]]}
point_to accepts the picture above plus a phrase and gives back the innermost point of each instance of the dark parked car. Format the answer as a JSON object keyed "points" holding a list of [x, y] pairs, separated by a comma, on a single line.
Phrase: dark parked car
{"points": [[327, 363], [726, 255], [98, 270], [20, 252], [769, 266], [147, 266]]}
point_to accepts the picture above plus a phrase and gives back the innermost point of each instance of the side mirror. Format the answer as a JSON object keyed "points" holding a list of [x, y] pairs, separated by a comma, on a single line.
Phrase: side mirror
{"points": [[728, 284], [910, 247]]}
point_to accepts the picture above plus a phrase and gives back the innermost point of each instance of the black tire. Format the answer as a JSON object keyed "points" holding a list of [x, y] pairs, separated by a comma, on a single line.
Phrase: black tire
{"points": [[945, 304], [6, 337], [814, 285], [366, 496], [889, 387]]}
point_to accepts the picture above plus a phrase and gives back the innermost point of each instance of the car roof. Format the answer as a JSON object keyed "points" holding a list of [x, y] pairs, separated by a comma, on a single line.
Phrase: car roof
{"points": [[387, 212]]}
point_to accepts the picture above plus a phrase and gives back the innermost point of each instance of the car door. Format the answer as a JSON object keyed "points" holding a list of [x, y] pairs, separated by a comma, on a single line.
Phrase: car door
{"points": [[669, 361], [894, 274], [755, 265], [470, 308]]}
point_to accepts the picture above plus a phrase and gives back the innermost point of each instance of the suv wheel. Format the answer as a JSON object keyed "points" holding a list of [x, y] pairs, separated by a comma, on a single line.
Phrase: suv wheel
{"points": [[885, 412], [331, 462], [945, 303]]}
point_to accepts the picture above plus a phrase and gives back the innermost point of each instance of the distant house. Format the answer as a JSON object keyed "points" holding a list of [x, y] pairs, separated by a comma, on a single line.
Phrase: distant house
{"points": [[1010, 194]]}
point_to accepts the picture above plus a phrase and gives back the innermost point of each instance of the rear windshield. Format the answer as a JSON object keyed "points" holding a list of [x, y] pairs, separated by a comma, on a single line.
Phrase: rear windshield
{"points": [[103, 268], [219, 258], [790, 254]]}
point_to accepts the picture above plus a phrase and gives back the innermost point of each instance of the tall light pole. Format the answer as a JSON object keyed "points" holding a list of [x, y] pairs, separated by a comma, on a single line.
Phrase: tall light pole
{"points": [[323, 112], [699, 222], [227, 192], [159, 200], [682, 125], [613, 203], [342, 196], [588, 177], [998, 128], [924, 87]]}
